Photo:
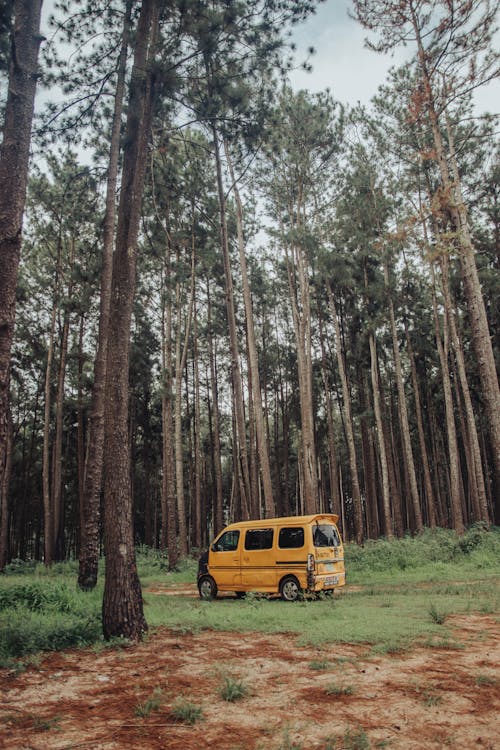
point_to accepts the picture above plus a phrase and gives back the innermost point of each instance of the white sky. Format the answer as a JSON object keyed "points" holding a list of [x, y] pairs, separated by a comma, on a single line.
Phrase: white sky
{"points": [[342, 62]]}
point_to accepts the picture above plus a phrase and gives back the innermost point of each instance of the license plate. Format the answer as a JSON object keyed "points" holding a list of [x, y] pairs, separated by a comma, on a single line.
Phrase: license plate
{"points": [[331, 581]]}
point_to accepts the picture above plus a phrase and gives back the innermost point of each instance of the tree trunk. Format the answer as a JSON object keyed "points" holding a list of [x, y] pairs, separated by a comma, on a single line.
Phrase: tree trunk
{"points": [[349, 428], [442, 347], [4, 504], [218, 515], [198, 533], [451, 184], [168, 499], [253, 362], [241, 440], [122, 603], [403, 415], [181, 349], [298, 283], [386, 498], [332, 451], [58, 438], [90, 511], [14, 158], [479, 490], [429, 494], [48, 510]]}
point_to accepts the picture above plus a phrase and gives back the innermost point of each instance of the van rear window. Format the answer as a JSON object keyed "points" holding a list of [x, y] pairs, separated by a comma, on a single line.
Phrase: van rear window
{"points": [[325, 535], [291, 538], [259, 539]]}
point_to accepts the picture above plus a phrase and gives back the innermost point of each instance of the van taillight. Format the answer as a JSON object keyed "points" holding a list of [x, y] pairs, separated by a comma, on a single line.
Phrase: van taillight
{"points": [[311, 563]]}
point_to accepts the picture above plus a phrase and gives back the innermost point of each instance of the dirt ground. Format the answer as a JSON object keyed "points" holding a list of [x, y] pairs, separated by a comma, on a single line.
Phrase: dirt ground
{"points": [[343, 697]]}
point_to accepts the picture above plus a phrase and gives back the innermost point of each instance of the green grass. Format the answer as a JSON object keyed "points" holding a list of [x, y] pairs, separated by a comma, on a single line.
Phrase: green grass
{"points": [[232, 690], [401, 592], [186, 711], [151, 704]]}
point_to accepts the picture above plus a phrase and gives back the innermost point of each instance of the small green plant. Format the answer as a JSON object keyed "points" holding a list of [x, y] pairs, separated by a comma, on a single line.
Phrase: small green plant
{"points": [[320, 664], [287, 743], [431, 699], [435, 615], [151, 704], [186, 711], [45, 725], [232, 690], [337, 689], [487, 680], [353, 739]]}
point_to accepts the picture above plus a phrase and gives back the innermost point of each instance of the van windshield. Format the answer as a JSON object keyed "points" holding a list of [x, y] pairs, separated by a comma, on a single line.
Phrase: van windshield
{"points": [[325, 535]]}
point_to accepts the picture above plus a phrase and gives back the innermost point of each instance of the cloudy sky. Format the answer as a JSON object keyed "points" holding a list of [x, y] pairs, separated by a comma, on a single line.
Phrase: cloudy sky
{"points": [[342, 62]]}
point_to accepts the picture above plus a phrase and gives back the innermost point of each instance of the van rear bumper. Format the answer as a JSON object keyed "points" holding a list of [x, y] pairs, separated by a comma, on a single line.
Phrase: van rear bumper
{"points": [[328, 581]]}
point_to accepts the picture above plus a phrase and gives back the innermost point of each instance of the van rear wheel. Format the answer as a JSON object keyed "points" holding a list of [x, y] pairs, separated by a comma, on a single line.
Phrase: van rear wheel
{"points": [[207, 588], [290, 589]]}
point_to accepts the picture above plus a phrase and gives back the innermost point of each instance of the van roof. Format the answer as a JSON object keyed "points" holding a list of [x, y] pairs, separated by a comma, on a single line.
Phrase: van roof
{"points": [[285, 520]]}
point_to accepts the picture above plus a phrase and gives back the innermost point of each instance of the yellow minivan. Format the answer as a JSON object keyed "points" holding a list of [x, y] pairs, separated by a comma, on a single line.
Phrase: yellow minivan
{"points": [[286, 556]]}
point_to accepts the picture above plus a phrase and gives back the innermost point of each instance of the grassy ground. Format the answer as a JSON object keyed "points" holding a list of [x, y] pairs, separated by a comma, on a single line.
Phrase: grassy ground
{"points": [[398, 593]]}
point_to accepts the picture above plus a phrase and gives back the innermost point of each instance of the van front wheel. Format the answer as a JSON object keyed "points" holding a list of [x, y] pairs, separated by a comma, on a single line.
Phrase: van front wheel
{"points": [[207, 587], [290, 589]]}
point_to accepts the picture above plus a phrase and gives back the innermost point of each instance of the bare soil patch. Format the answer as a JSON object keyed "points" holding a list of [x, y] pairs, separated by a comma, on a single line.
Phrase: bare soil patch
{"points": [[299, 697]]}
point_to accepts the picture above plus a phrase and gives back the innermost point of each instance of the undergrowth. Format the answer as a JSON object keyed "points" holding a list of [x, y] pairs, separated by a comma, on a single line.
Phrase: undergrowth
{"points": [[406, 590]]}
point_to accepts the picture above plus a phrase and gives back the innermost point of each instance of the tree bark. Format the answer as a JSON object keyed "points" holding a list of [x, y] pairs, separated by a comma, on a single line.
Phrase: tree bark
{"points": [[14, 159], [218, 512], [92, 482], [349, 429], [241, 439], [122, 603], [386, 498], [262, 444], [298, 283], [429, 494], [476, 469], [168, 499], [181, 349], [442, 347], [403, 416], [452, 191]]}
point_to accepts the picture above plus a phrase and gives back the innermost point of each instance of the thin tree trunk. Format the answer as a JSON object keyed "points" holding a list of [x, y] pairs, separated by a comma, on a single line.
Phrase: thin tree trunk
{"points": [[386, 498], [299, 283], [58, 438], [241, 440], [403, 416], [181, 349], [122, 602], [90, 512], [332, 452], [168, 497], [48, 510], [218, 519], [479, 490], [4, 504], [349, 427], [442, 347], [262, 443], [197, 434], [429, 494]]}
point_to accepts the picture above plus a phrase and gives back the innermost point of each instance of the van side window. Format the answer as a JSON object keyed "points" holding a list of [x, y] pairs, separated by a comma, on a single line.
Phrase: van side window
{"points": [[259, 539], [291, 538], [228, 542]]}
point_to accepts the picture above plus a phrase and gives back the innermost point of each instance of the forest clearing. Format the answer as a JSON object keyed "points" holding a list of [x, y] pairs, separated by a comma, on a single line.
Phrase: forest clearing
{"points": [[298, 698], [407, 657]]}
